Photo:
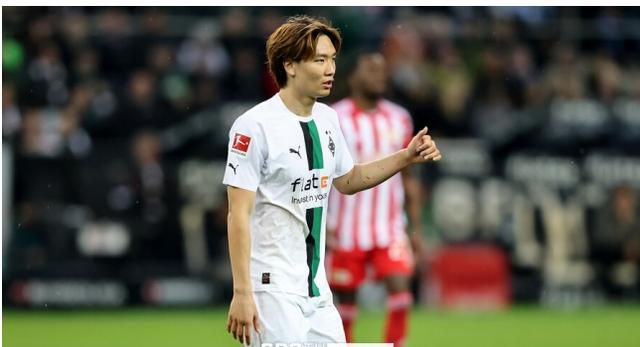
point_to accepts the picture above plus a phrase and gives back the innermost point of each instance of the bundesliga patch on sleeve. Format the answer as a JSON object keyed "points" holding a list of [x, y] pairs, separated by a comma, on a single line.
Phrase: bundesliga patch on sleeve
{"points": [[240, 144]]}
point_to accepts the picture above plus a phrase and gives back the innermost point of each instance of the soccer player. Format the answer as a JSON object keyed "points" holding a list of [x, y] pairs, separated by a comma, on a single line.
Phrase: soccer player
{"points": [[284, 156], [368, 228]]}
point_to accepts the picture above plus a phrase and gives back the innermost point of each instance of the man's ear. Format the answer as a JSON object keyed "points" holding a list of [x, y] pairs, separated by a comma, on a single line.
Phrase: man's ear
{"points": [[289, 68]]}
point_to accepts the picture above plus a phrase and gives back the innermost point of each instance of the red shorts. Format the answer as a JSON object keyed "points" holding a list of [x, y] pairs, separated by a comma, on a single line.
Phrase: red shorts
{"points": [[348, 269]]}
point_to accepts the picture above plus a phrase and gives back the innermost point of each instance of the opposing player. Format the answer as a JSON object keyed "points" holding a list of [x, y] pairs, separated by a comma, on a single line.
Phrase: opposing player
{"points": [[368, 228], [284, 156]]}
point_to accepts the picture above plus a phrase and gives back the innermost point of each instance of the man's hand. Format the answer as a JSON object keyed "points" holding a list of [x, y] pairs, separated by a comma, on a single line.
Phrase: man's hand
{"points": [[243, 317], [422, 148]]}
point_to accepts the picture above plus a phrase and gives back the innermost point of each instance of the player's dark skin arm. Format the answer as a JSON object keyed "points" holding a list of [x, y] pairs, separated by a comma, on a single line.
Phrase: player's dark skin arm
{"points": [[364, 176], [243, 314], [413, 206]]}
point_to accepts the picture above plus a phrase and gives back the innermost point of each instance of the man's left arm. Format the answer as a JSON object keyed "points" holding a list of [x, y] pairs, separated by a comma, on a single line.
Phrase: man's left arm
{"points": [[413, 206], [364, 176]]}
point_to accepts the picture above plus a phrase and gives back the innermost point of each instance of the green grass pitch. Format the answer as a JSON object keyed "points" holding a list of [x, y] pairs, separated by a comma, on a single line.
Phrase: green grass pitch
{"points": [[520, 327]]}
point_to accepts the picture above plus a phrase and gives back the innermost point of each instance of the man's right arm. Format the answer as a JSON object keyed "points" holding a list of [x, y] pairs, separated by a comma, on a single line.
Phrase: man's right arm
{"points": [[240, 207], [243, 315]]}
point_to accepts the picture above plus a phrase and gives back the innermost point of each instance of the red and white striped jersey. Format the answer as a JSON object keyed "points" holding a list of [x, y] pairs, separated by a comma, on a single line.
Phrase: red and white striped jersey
{"points": [[375, 217]]}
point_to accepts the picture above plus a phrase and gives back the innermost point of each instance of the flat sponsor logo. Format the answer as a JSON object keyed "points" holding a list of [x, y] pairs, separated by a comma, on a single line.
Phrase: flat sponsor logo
{"points": [[308, 190]]}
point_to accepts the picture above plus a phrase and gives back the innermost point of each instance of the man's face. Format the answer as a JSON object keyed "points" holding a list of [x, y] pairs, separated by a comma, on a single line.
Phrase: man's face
{"points": [[314, 77], [370, 76]]}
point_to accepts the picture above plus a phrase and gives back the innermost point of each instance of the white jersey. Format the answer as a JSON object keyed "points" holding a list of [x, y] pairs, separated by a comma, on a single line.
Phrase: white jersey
{"points": [[290, 162], [373, 218]]}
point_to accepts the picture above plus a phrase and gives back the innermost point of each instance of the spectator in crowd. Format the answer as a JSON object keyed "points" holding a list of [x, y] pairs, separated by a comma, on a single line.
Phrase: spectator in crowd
{"points": [[148, 198], [47, 76], [117, 49], [202, 53], [85, 66], [142, 106]]}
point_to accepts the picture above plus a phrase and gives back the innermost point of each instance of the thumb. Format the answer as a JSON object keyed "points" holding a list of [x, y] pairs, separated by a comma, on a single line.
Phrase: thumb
{"points": [[422, 131]]}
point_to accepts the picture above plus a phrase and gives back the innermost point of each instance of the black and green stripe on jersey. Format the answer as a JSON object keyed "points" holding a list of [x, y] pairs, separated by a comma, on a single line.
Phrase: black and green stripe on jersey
{"points": [[315, 160]]}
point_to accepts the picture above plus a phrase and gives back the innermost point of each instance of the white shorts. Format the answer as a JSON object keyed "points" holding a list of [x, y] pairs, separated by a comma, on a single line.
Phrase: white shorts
{"points": [[290, 318]]}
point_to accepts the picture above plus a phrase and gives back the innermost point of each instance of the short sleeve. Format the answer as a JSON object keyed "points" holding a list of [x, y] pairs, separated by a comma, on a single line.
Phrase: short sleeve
{"points": [[245, 155], [344, 161]]}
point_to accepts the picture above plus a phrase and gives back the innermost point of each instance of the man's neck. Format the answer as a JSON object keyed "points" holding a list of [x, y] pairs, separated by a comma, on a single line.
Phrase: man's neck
{"points": [[300, 105], [364, 103]]}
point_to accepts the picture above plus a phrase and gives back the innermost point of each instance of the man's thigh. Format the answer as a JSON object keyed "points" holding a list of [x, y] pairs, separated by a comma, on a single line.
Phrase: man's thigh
{"points": [[281, 319], [325, 325]]}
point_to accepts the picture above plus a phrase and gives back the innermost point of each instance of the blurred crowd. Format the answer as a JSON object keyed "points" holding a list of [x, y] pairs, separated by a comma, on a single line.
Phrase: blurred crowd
{"points": [[76, 75], [96, 103]]}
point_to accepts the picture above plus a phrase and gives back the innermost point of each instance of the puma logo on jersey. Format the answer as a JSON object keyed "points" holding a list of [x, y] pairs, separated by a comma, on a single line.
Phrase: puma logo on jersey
{"points": [[234, 167], [291, 150]]}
